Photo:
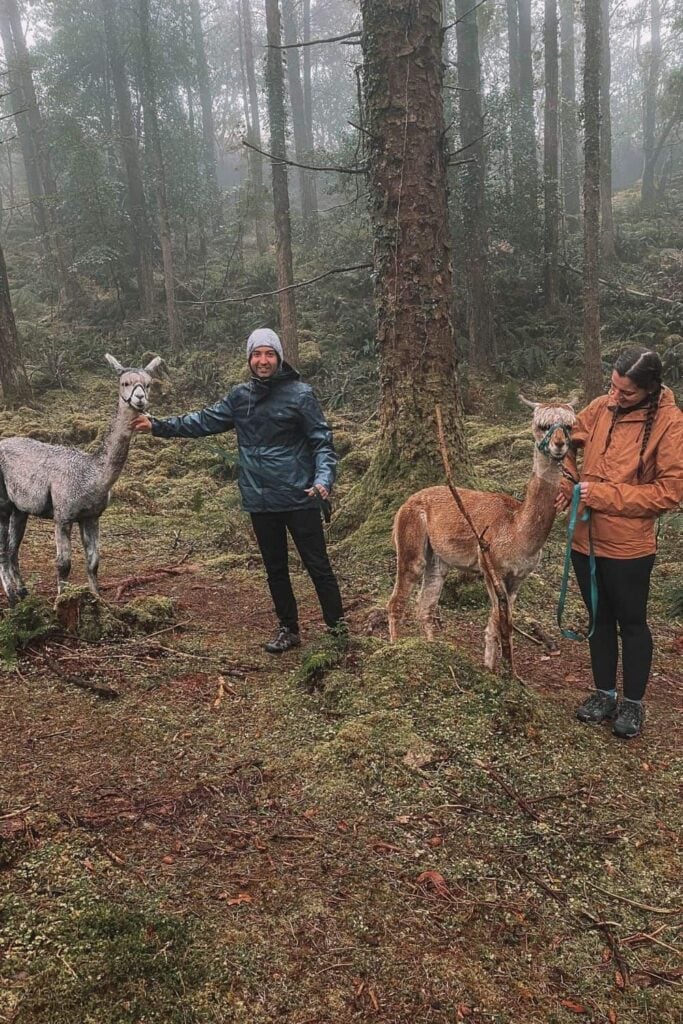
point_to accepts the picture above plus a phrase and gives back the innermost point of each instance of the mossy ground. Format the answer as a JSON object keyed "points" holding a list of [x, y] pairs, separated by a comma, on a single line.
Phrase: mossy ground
{"points": [[410, 839]]}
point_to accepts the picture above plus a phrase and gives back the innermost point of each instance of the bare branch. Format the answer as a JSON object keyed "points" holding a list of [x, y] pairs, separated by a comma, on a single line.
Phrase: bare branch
{"points": [[465, 15], [277, 291], [307, 167], [316, 42]]}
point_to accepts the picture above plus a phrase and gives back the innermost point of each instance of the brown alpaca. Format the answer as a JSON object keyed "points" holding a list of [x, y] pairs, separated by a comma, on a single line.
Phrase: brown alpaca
{"points": [[431, 536]]}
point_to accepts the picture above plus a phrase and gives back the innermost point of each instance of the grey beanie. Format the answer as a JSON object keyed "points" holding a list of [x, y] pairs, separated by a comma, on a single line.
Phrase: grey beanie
{"points": [[263, 336]]}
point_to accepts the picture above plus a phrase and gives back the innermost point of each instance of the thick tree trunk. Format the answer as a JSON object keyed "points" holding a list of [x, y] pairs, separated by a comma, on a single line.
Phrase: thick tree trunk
{"points": [[551, 159], [206, 103], [570, 159], [528, 169], [482, 348], [307, 185], [13, 380], [68, 286], [608, 250], [591, 201], [653, 64], [254, 136], [140, 232], [283, 230], [153, 139], [403, 80]]}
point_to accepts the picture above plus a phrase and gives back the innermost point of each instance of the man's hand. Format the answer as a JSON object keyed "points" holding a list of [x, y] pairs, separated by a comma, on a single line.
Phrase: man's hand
{"points": [[142, 423], [318, 489]]}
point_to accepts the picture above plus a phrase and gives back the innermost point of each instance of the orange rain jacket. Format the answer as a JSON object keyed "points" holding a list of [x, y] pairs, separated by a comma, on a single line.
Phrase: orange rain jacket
{"points": [[623, 507]]}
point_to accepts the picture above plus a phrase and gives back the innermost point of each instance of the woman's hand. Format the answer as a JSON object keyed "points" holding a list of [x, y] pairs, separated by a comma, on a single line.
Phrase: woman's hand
{"points": [[142, 423], [585, 492], [318, 489]]}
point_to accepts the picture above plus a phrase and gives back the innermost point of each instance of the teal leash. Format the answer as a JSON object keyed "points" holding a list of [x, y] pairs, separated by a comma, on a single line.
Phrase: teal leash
{"points": [[571, 634]]}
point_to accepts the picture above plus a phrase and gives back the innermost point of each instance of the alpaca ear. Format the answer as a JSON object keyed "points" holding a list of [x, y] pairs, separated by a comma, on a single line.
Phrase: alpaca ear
{"points": [[153, 365], [525, 401], [574, 402], [115, 364]]}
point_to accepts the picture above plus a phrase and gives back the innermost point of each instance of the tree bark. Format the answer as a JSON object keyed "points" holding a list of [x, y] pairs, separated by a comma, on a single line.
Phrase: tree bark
{"points": [[608, 249], [482, 348], [528, 184], [551, 159], [142, 246], [15, 386], [591, 200], [648, 192], [283, 230], [206, 103], [153, 139], [308, 94], [403, 90], [254, 135], [307, 185], [68, 286], [570, 160]]}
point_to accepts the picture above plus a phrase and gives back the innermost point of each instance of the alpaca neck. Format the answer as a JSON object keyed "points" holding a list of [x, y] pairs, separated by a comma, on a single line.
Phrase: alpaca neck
{"points": [[537, 513], [116, 443]]}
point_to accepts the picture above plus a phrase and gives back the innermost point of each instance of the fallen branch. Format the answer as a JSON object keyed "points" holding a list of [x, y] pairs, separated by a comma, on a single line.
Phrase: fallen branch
{"points": [[512, 793], [621, 288], [100, 691], [633, 903], [504, 614], [135, 581], [612, 942], [316, 42]]}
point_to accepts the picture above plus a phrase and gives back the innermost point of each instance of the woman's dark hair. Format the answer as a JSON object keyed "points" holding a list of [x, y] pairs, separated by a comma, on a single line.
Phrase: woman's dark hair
{"points": [[644, 368]]}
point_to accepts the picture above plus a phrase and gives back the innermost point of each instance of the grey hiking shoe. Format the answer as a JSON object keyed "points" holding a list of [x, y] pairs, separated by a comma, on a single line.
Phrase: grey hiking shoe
{"points": [[598, 707], [629, 720], [284, 641]]}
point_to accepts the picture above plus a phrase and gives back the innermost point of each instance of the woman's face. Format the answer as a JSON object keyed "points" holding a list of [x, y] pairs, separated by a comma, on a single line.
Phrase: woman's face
{"points": [[625, 391]]}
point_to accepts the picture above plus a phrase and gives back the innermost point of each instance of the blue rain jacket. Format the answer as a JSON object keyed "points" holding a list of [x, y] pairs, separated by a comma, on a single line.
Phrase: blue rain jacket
{"points": [[285, 443]]}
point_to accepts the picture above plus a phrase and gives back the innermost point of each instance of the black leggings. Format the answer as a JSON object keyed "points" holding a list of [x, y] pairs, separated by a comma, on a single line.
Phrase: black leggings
{"points": [[306, 528], [623, 590]]}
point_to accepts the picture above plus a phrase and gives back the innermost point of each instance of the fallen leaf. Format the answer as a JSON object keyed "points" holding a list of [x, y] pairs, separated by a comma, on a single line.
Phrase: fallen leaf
{"points": [[435, 841], [463, 1011], [612, 1016], [572, 1006], [606, 955], [435, 879], [89, 864], [418, 758], [234, 901], [167, 860], [343, 826], [311, 812], [619, 980]]}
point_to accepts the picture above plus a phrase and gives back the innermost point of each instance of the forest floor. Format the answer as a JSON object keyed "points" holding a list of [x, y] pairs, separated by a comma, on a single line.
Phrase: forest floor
{"points": [[208, 837]]}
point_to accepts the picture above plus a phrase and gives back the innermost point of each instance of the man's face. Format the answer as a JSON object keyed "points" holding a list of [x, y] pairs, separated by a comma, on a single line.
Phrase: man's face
{"points": [[263, 362], [625, 391]]}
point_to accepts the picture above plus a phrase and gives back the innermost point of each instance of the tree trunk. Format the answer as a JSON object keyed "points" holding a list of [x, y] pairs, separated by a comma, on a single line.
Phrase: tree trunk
{"points": [[307, 185], [570, 160], [15, 386], [648, 193], [551, 159], [591, 201], [608, 250], [153, 139], [403, 88], [254, 136], [482, 348], [308, 95], [283, 230], [528, 171], [67, 284], [140, 232], [206, 103], [18, 107]]}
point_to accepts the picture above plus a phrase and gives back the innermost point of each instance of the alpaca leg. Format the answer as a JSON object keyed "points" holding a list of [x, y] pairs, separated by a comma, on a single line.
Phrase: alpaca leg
{"points": [[90, 532], [492, 643], [410, 541], [63, 544], [435, 573], [406, 578], [6, 577], [17, 528]]}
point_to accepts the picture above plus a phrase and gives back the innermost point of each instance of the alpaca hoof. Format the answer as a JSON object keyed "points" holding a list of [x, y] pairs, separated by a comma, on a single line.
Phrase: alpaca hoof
{"points": [[22, 592]]}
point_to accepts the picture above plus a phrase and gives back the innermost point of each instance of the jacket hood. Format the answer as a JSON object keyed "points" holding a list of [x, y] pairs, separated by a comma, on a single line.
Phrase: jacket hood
{"points": [[284, 373]]}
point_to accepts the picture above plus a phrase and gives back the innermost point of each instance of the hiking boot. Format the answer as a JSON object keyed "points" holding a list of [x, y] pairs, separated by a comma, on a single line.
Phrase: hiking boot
{"points": [[284, 641], [629, 720], [598, 707]]}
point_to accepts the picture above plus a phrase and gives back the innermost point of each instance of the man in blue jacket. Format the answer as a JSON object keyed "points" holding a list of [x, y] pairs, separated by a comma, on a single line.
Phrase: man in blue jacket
{"points": [[287, 466]]}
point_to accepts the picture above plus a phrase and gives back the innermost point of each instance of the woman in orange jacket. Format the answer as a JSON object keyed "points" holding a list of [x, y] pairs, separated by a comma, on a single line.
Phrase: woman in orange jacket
{"points": [[632, 471]]}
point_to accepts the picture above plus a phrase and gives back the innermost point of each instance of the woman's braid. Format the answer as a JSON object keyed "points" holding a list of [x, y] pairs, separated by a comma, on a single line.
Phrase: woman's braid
{"points": [[649, 421]]}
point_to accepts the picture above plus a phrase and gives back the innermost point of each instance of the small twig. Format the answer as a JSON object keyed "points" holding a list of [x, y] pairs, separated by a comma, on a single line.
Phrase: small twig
{"points": [[646, 937], [633, 903], [533, 639], [465, 15], [15, 814], [512, 793]]}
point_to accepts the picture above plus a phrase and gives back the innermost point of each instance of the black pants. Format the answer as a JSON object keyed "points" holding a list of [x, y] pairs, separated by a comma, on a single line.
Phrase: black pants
{"points": [[306, 529], [623, 590]]}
